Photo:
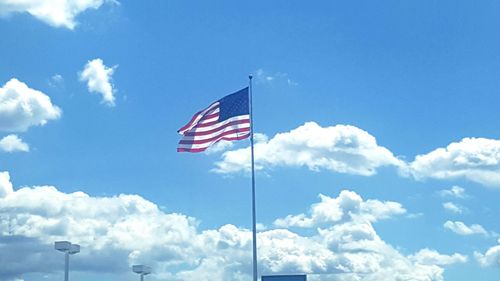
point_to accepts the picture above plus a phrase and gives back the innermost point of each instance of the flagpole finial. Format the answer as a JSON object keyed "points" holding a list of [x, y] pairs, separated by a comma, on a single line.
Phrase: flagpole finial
{"points": [[250, 76]]}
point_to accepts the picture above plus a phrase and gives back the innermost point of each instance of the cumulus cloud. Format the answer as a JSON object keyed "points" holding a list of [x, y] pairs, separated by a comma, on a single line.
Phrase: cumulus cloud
{"points": [[5, 184], [22, 107], [219, 146], [98, 78], [432, 257], [475, 159], [13, 143], [462, 229], [359, 249], [122, 230], [455, 192], [453, 208], [341, 148], [60, 13], [351, 150], [348, 205], [491, 258]]}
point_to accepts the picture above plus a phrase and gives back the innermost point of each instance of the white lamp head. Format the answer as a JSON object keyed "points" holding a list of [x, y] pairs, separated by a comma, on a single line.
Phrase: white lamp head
{"points": [[74, 249], [62, 246], [66, 246], [141, 269]]}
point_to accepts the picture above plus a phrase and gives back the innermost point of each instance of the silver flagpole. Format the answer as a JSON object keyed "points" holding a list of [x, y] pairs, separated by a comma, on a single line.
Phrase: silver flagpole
{"points": [[254, 224]]}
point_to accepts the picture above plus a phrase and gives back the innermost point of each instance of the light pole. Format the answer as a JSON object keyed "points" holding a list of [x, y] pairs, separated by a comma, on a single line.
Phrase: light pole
{"points": [[142, 270], [68, 249]]}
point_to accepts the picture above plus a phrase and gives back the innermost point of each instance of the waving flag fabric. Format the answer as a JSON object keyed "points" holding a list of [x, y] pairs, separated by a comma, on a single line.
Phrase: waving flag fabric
{"points": [[225, 119]]}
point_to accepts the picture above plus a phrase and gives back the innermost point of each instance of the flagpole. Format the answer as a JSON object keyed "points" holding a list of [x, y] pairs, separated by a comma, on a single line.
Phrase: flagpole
{"points": [[254, 224]]}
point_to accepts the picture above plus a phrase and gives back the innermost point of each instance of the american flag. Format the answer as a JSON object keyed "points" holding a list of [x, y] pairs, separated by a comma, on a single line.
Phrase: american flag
{"points": [[226, 119]]}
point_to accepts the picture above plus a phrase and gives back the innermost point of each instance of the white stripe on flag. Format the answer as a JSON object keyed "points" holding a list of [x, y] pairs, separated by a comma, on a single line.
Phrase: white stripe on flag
{"points": [[215, 134]]}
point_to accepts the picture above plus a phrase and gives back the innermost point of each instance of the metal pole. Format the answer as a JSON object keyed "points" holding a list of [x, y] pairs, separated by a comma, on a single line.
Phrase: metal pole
{"points": [[66, 266], [254, 223], [142, 276]]}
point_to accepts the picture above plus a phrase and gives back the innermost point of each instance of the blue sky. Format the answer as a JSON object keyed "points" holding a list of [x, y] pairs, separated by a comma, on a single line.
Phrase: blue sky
{"points": [[387, 109]]}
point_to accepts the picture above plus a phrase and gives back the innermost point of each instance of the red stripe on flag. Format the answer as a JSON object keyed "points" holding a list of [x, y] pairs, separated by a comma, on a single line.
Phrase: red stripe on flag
{"points": [[207, 124], [206, 117], [208, 132], [195, 141], [197, 115], [201, 149]]}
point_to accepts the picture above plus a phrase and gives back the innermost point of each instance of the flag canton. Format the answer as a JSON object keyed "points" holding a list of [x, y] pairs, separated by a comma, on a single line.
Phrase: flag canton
{"points": [[234, 105]]}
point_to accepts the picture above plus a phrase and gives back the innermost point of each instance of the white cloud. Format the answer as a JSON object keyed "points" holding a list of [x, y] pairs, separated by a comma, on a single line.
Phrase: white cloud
{"points": [[5, 184], [258, 138], [491, 258], [359, 249], [341, 148], [348, 205], [462, 229], [13, 143], [260, 227], [116, 231], [454, 192], [454, 208], [219, 147], [98, 78], [122, 230], [56, 80], [432, 257], [475, 159], [22, 107], [61, 13], [263, 77], [351, 150]]}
